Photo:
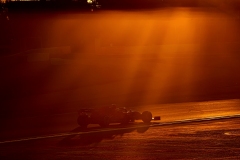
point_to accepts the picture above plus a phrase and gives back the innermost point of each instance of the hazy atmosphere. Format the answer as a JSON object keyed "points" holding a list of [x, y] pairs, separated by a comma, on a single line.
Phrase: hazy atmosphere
{"points": [[177, 59]]}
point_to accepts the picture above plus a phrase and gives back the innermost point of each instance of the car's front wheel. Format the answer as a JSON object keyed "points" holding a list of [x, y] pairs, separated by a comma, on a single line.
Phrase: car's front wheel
{"points": [[146, 117]]}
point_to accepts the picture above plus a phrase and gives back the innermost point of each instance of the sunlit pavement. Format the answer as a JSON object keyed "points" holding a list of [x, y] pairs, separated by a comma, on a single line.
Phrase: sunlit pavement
{"points": [[208, 140], [61, 125]]}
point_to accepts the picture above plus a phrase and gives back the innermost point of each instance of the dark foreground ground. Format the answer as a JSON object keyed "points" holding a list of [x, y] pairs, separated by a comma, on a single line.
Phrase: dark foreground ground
{"points": [[203, 140]]}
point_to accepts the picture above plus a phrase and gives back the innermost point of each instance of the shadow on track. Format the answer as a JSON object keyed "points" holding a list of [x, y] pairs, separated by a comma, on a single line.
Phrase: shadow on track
{"points": [[96, 135]]}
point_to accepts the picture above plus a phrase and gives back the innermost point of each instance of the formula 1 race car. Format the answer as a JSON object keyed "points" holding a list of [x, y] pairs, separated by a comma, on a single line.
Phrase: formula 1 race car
{"points": [[112, 114]]}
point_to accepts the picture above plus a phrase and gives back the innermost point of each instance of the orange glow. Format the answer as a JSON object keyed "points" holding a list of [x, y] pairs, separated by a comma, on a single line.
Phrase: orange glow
{"points": [[145, 57]]}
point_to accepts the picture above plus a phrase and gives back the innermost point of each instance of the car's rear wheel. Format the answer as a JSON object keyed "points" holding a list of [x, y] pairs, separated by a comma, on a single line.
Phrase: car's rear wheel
{"points": [[146, 117], [83, 121]]}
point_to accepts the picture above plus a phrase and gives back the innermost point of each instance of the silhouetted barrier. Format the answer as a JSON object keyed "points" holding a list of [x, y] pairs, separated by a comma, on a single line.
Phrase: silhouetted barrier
{"points": [[35, 6], [115, 4]]}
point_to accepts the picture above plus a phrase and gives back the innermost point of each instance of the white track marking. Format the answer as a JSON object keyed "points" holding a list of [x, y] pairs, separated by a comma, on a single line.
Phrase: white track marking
{"points": [[126, 128], [196, 120]]}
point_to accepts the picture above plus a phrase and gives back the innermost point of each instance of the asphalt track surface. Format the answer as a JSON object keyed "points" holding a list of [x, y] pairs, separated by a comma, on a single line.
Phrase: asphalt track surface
{"points": [[215, 135], [217, 139], [126, 127], [179, 63]]}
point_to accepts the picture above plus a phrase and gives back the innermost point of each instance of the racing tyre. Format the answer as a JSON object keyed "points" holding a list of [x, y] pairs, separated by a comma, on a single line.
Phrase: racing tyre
{"points": [[146, 117], [83, 121]]}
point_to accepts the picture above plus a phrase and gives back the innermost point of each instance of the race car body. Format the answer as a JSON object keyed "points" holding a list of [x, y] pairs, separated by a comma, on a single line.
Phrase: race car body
{"points": [[112, 114]]}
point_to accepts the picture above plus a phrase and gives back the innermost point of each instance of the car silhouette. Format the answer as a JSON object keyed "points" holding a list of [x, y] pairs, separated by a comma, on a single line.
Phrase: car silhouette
{"points": [[112, 114]]}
